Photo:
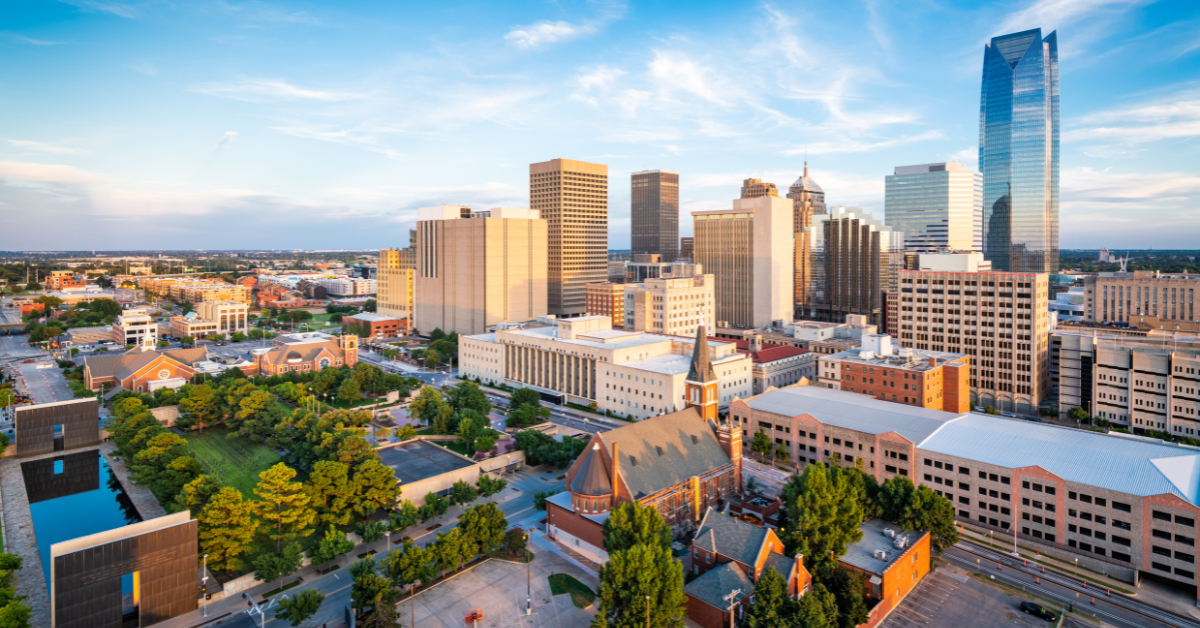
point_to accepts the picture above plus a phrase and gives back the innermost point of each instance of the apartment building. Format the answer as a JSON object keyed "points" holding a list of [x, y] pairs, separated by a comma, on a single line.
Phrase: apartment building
{"points": [[629, 372], [938, 207], [1000, 319], [135, 327], [1141, 383], [607, 299], [1120, 297], [478, 269], [396, 285], [675, 306], [1133, 505], [213, 317], [754, 188], [200, 291], [750, 251], [927, 379], [572, 197], [60, 279], [348, 286]]}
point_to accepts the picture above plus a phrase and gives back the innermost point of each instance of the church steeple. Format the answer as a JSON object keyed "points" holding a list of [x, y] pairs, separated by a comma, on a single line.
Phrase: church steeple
{"points": [[701, 380]]}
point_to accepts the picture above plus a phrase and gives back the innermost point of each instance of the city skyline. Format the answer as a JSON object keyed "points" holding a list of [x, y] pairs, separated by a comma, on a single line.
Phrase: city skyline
{"points": [[149, 125]]}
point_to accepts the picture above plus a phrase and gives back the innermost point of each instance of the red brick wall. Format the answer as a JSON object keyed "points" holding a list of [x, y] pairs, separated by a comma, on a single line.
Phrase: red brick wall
{"points": [[579, 527], [900, 579], [956, 387], [1060, 499]]}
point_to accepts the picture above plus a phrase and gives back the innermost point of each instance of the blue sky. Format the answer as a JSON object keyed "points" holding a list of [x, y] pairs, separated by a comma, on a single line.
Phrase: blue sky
{"points": [[225, 124]]}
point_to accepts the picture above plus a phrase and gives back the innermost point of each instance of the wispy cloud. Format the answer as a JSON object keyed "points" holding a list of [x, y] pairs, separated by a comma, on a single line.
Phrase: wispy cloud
{"points": [[89, 6], [543, 33], [1054, 14], [226, 139], [27, 40], [44, 147], [1167, 117], [145, 67], [361, 137], [260, 90], [45, 173], [854, 146]]}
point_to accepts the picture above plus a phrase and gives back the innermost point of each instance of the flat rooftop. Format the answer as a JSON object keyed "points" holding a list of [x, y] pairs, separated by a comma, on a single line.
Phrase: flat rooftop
{"points": [[417, 460], [916, 360], [862, 554]]}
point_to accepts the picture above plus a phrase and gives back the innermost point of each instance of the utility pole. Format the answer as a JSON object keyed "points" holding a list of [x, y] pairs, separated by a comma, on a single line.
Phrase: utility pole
{"points": [[732, 599]]}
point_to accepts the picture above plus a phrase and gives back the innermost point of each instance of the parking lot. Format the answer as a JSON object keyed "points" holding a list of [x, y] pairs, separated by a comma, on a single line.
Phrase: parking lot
{"points": [[950, 598]]}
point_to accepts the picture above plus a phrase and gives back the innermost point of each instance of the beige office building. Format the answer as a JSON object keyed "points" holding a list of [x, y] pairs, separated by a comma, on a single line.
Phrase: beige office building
{"points": [[1001, 320], [201, 291], [675, 306], [631, 373], [395, 284], [478, 269], [754, 188], [749, 250], [1125, 297], [229, 316], [808, 200], [572, 197]]}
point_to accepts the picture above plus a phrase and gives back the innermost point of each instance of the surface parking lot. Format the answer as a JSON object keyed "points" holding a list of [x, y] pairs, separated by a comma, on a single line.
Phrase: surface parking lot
{"points": [[949, 598]]}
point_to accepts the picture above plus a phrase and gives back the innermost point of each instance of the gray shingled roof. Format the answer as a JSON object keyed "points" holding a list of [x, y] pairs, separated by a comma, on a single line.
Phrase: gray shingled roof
{"points": [[780, 563], [184, 356], [720, 581], [663, 451], [592, 478], [722, 534]]}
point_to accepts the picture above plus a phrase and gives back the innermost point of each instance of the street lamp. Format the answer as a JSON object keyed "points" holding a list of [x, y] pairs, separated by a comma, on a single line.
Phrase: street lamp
{"points": [[528, 579], [647, 611], [204, 587], [388, 546]]}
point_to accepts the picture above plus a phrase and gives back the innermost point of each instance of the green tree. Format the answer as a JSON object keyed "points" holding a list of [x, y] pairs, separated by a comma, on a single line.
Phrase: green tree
{"points": [[468, 396], [333, 546], [630, 577], [406, 433], [187, 341], [349, 391], [451, 550], [202, 404], [374, 487], [331, 492], [227, 527], [268, 566], [237, 336], [525, 397], [919, 508], [817, 609], [991, 410], [468, 431], [632, 524], [847, 588], [298, 609], [483, 527], [215, 337], [823, 517], [195, 494], [408, 564], [462, 493], [489, 486], [285, 507], [761, 443], [1078, 414], [369, 589], [404, 516], [427, 405], [772, 607], [371, 530]]}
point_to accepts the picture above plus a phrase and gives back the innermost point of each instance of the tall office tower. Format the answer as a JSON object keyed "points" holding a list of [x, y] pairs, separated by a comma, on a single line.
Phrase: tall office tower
{"points": [[687, 248], [479, 269], [853, 260], [1018, 152], [1001, 320], [754, 188], [395, 284], [749, 250], [808, 200], [939, 207], [572, 197], [654, 213]]}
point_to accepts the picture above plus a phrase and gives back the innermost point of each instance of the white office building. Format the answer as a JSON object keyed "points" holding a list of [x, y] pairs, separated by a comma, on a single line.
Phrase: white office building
{"points": [[938, 207]]}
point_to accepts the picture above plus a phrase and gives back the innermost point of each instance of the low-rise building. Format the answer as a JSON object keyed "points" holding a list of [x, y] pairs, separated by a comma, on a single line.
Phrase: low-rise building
{"points": [[191, 324], [892, 561], [307, 352], [606, 299], [368, 325], [632, 373], [929, 379], [348, 286], [61, 279], [828, 338], [776, 365], [675, 305], [1069, 306], [89, 335], [135, 327], [143, 369], [197, 291]]}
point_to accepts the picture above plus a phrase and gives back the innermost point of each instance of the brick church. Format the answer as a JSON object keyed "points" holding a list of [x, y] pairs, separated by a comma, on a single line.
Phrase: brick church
{"points": [[680, 463]]}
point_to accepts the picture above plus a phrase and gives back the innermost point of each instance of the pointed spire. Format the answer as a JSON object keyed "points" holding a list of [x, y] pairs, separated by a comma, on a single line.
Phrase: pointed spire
{"points": [[701, 370], [806, 167]]}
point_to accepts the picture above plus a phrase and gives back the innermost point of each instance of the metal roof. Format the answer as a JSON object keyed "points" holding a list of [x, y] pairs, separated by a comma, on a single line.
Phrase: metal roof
{"points": [[1134, 466], [852, 411]]}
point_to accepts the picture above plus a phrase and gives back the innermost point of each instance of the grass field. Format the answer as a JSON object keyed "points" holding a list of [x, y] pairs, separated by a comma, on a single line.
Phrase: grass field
{"points": [[581, 595], [235, 461]]}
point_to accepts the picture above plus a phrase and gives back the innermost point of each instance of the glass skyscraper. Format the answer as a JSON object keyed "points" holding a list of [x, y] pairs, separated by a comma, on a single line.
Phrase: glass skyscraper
{"points": [[1018, 152]]}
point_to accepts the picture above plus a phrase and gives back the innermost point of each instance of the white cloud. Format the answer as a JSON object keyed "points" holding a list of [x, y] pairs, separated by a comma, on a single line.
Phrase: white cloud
{"points": [[145, 67], [43, 147], [1162, 118], [33, 42], [1089, 186], [855, 146], [45, 173], [1053, 14], [543, 33], [89, 6], [679, 71], [226, 139], [260, 90]]}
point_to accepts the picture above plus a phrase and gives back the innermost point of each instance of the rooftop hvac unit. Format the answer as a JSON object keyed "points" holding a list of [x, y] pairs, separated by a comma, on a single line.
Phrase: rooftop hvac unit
{"points": [[900, 542], [881, 554], [888, 532]]}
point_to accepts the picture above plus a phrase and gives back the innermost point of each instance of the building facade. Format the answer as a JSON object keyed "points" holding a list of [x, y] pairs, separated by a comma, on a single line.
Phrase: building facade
{"points": [[808, 200], [607, 299], [674, 306], [852, 262], [628, 372], [687, 249], [396, 285], [572, 197], [1127, 297], [135, 327], [654, 213], [1019, 150], [144, 370], [754, 188], [368, 325], [230, 317], [749, 250], [937, 380], [199, 291], [776, 365], [1001, 320], [478, 269], [307, 352], [938, 207]]}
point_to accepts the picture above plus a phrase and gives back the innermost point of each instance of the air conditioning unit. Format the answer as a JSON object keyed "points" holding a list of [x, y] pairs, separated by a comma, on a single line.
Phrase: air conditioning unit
{"points": [[881, 554], [890, 533]]}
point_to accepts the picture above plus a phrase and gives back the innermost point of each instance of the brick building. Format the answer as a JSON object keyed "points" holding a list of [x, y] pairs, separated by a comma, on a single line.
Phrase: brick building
{"points": [[368, 325], [892, 561], [142, 369], [606, 299], [313, 351], [928, 379]]}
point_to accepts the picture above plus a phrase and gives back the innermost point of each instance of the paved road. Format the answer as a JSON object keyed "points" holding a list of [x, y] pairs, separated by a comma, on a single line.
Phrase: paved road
{"points": [[45, 385], [1117, 610], [14, 348]]}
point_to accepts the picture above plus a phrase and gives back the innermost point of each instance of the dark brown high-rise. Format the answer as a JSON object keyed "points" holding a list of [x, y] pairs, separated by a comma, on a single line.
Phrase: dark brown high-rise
{"points": [[654, 213]]}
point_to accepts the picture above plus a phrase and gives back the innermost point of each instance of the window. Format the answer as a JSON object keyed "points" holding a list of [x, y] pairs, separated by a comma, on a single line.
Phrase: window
{"points": [[1049, 490], [1100, 501], [1071, 494], [1161, 516], [1087, 499], [1121, 507], [1161, 567], [993, 477], [1159, 534], [1124, 525], [964, 486], [1185, 521], [928, 462], [1072, 528], [1120, 540], [1123, 557], [1185, 573], [1161, 551], [982, 475], [964, 500], [1187, 558], [964, 470], [1185, 540], [889, 468]]}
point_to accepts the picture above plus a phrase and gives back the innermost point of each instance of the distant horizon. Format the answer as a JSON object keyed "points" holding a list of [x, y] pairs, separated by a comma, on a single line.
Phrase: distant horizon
{"points": [[86, 252]]}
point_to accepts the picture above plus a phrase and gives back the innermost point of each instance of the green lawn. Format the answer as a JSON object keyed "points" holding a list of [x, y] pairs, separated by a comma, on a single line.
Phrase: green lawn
{"points": [[581, 595], [235, 461]]}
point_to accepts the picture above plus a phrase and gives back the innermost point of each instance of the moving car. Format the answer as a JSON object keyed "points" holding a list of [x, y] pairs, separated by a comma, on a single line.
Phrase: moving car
{"points": [[1029, 608]]}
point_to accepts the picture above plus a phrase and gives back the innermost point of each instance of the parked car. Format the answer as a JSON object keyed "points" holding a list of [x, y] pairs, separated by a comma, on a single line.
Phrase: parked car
{"points": [[1029, 608]]}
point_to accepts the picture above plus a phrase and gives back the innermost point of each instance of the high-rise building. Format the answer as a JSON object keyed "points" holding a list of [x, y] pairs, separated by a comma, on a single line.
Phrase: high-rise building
{"points": [[1001, 320], [478, 269], [671, 305], [852, 260], [750, 251], [654, 213], [808, 200], [572, 197], [687, 248], [754, 188], [1018, 152], [396, 284], [939, 207]]}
